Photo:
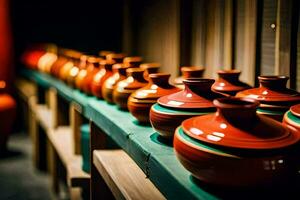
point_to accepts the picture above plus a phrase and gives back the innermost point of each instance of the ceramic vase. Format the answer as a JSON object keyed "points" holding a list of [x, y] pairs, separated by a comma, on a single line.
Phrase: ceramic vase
{"points": [[170, 110], [188, 72], [229, 83], [275, 98], [100, 77], [134, 81], [140, 101], [235, 147]]}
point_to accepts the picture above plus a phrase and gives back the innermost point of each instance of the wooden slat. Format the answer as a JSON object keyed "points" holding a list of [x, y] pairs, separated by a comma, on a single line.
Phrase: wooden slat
{"points": [[61, 140], [25, 88], [44, 116], [125, 179], [75, 123]]}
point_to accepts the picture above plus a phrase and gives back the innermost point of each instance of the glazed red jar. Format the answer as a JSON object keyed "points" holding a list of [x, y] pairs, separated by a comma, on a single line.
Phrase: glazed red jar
{"points": [[229, 83], [150, 68], [73, 57], [170, 110], [188, 72], [100, 77], [117, 57], [134, 81], [93, 67], [59, 63], [82, 73], [291, 119], [237, 147], [119, 74], [140, 101], [132, 62], [275, 98], [74, 71]]}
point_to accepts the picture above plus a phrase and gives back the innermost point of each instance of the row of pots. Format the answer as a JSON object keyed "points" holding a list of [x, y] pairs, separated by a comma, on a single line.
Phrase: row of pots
{"points": [[218, 138]]}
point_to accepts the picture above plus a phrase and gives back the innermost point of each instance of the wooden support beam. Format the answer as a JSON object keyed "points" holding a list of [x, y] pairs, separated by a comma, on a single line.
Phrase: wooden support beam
{"points": [[123, 176], [98, 187], [76, 121]]}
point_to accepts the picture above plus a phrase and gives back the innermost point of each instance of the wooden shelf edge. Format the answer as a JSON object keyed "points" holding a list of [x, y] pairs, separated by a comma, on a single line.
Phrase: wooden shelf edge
{"points": [[125, 179]]}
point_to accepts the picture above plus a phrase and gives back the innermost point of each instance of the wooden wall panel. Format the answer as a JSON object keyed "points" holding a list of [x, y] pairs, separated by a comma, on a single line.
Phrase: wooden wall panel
{"points": [[268, 37], [154, 33]]}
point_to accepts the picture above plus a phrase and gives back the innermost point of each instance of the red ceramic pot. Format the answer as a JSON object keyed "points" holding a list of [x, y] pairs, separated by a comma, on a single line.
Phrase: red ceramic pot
{"points": [[140, 101], [150, 68], [71, 55], [82, 73], [124, 88], [119, 74], [170, 110], [132, 62], [76, 68], [100, 77], [229, 83], [31, 58], [7, 116], [117, 57], [93, 67], [275, 99], [102, 54], [188, 72], [237, 147], [291, 119], [59, 63]]}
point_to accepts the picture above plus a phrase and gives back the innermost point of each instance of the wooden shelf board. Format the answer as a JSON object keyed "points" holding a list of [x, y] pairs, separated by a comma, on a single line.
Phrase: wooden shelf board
{"points": [[61, 139], [44, 116], [125, 179]]}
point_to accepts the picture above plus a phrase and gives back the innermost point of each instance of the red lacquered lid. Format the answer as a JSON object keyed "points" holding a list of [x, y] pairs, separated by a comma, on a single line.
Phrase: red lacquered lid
{"points": [[272, 90], [236, 125], [296, 110], [197, 94]]}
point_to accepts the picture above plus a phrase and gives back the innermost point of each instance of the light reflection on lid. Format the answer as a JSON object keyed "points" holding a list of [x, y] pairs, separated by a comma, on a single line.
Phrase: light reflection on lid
{"points": [[213, 138], [175, 103], [196, 131], [223, 125], [218, 134]]}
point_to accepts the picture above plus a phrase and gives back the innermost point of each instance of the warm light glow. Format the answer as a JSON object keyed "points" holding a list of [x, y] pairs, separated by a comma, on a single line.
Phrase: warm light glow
{"points": [[46, 61]]}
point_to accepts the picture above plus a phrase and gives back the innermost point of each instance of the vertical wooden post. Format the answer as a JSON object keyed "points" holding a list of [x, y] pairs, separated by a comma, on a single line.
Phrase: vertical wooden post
{"points": [[75, 123], [52, 159], [52, 101], [99, 189]]}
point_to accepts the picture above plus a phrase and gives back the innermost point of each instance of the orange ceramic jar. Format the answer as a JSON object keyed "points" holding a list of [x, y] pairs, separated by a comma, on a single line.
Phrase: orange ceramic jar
{"points": [[150, 68], [93, 67], [74, 71], [73, 58], [117, 57], [135, 80], [119, 74], [132, 61], [99, 78], [188, 72]]}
